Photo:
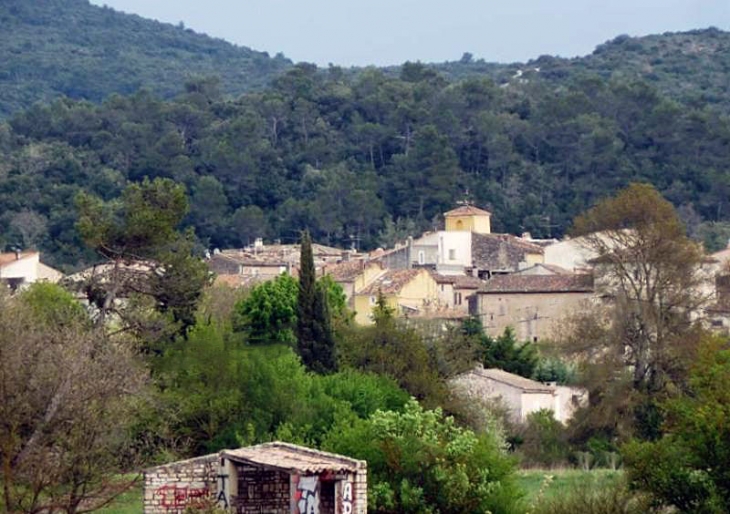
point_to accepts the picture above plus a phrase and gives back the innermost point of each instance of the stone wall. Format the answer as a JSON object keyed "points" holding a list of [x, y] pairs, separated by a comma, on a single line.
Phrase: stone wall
{"points": [[262, 491], [170, 489]]}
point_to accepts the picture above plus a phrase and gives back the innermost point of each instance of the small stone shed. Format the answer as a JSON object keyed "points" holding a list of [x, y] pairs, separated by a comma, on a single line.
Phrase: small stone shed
{"points": [[270, 478]]}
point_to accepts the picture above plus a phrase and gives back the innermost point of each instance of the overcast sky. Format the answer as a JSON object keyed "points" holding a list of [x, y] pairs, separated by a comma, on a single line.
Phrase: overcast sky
{"points": [[381, 32]]}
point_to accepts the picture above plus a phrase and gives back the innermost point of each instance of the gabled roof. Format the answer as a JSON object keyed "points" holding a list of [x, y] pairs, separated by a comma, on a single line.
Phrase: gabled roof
{"points": [[293, 458], [467, 210], [525, 384], [582, 283], [502, 252], [348, 271], [391, 282], [467, 282]]}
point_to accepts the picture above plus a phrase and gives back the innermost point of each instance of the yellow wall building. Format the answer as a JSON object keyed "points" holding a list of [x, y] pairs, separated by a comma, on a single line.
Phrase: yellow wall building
{"points": [[468, 218], [412, 292]]}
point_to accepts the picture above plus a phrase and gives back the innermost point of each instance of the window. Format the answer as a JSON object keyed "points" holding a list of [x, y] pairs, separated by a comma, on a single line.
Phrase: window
{"points": [[373, 300], [421, 257], [457, 298], [452, 255]]}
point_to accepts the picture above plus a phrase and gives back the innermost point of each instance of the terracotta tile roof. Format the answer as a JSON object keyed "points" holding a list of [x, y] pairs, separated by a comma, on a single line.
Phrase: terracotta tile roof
{"points": [[391, 282], [10, 257], [443, 279], [348, 271], [467, 210], [525, 384], [468, 282], [293, 458], [501, 251], [539, 284]]}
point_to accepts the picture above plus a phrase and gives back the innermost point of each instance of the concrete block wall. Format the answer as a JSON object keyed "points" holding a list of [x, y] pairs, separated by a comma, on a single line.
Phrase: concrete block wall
{"points": [[172, 488], [261, 491]]}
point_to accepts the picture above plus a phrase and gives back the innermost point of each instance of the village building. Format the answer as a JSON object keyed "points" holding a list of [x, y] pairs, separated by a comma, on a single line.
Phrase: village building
{"points": [[533, 305], [271, 478], [354, 276], [410, 292], [520, 396], [18, 270]]}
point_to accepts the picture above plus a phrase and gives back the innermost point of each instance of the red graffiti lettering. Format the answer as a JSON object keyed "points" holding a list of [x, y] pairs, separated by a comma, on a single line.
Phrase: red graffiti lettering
{"points": [[176, 496]]}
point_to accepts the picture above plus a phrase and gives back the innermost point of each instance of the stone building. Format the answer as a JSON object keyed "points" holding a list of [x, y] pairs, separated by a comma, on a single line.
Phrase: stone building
{"points": [[520, 396], [531, 304], [271, 478]]}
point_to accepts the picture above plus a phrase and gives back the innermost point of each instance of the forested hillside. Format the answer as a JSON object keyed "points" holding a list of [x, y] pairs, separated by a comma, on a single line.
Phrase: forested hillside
{"points": [[690, 67], [365, 158], [50, 48]]}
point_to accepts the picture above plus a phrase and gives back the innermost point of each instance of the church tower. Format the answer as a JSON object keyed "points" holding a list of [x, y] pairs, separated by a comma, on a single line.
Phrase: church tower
{"points": [[468, 218]]}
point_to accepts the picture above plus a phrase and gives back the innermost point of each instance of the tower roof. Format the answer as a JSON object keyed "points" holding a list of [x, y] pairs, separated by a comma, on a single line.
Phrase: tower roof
{"points": [[467, 210]]}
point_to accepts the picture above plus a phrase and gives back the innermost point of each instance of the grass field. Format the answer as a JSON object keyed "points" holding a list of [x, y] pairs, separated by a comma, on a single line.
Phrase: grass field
{"points": [[563, 481], [128, 503]]}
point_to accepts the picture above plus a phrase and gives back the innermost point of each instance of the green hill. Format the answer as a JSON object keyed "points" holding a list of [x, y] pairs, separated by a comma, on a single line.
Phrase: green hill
{"points": [[691, 67], [50, 48]]}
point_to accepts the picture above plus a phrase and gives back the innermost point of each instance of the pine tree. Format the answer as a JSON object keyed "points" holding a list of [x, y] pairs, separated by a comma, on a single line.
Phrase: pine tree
{"points": [[315, 340]]}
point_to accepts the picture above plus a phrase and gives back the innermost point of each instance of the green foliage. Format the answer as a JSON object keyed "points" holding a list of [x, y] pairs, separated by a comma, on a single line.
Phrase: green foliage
{"points": [[269, 313], [218, 393], [544, 440], [554, 369], [389, 350], [53, 306], [315, 336], [117, 53], [420, 461], [365, 158], [687, 467], [504, 352]]}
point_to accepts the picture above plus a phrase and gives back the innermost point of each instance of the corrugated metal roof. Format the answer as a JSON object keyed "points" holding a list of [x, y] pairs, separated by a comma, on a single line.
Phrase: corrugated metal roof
{"points": [[293, 458]]}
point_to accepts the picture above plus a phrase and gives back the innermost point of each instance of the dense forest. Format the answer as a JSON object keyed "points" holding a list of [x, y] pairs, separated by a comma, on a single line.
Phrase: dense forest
{"points": [[50, 48], [366, 158], [359, 156]]}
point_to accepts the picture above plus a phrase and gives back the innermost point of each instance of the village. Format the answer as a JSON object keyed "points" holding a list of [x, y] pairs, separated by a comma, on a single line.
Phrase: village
{"points": [[435, 282]]}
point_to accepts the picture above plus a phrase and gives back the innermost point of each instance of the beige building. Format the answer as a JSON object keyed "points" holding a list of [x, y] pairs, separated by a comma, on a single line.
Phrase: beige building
{"points": [[410, 292], [20, 269], [354, 276], [520, 396], [531, 304], [469, 219]]}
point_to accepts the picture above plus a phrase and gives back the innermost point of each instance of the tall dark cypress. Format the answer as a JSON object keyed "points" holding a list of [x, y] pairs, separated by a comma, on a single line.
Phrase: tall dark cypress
{"points": [[315, 340], [307, 299]]}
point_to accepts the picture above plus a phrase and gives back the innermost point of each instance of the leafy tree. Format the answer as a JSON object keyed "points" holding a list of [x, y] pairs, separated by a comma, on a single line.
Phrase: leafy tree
{"points": [[145, 252], [395, 352], [504, 352], [66, 412], [269, 313], [687, 468], [645, 337], [420, 461]]}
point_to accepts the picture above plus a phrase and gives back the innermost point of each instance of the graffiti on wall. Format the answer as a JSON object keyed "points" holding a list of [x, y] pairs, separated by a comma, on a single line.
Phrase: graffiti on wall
{"points": [[177, 496], [222, 498], [307, 495], [347, 498]]}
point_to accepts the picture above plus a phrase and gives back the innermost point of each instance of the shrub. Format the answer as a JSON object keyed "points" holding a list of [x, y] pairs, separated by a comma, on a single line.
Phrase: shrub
{"points": [[420, 461]]}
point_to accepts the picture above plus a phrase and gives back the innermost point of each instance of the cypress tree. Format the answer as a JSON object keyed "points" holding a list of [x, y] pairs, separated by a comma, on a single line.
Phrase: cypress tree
{"points": [[315, 340]]}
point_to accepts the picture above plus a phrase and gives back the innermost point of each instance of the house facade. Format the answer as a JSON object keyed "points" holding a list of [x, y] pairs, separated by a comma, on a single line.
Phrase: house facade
{"points": [[520, 396], [533, 305], [20, 269], [410, 292]]}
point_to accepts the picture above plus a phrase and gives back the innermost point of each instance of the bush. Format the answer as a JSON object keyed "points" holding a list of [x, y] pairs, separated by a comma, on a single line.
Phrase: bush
{"points": [[420, 461], [544, 440]]}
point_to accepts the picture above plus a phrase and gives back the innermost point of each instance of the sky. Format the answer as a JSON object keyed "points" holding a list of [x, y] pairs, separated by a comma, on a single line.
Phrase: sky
{"points": [[384, 32]]}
